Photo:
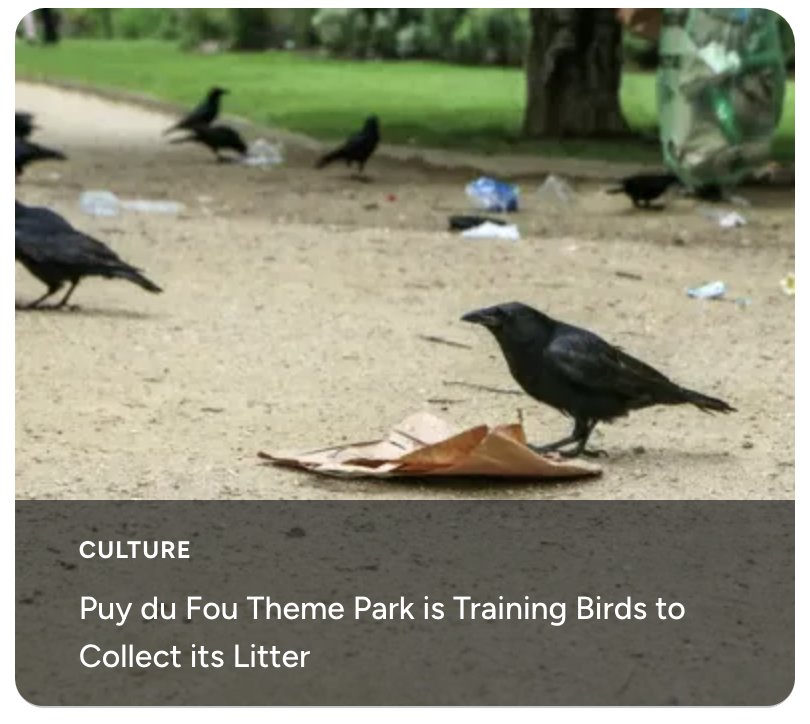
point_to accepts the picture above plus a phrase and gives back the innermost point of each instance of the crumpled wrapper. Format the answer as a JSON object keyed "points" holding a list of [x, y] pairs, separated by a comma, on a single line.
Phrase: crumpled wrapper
{"points": [[424, 445]]}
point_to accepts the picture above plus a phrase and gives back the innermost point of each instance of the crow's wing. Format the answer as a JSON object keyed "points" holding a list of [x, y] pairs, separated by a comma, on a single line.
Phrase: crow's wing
{"points": [[25, 151], [39, 216], [198, 115], [589, 362], [62, 246]]}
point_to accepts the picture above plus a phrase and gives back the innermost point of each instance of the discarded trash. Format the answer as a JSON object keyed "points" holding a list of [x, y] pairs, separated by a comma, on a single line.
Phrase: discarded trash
{"points": [[715, 290], [489, 230], [427, 446], [491, 195], [100, 203], [152, 207], [725, 219], [731, 220], [739, 201], [264, 154], [391, 198], [556, 189], [107, 204], [789, 285], [463, 223]]}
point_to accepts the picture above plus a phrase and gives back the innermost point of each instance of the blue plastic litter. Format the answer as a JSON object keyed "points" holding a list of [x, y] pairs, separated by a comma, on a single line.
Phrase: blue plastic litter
{"points": [[494, 196]]}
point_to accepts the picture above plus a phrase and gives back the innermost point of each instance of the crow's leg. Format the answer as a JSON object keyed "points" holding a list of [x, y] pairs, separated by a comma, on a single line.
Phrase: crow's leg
{"points": [[580, 450], [582, 429], [37, 302], [361, 173], [64, 300]]}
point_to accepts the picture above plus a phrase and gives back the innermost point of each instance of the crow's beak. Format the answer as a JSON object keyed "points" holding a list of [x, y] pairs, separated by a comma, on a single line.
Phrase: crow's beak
{"points": [[484, 317]]}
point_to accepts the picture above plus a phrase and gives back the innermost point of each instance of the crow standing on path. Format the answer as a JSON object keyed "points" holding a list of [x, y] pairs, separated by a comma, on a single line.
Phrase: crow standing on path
{"points": [[358, 149], [56, 253], [578, 373], [217, 138], [203, 115], [23, 124], [645, 188], [26, 152]]}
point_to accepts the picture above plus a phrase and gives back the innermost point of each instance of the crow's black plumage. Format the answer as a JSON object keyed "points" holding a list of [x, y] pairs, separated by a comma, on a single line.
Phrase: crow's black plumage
{"points": [[712, 193], [217, 138], [39, 215], [645, 188], [203, 115], [23, 124], [56, 253], [358, 149], [26, 152], [578, 373]]}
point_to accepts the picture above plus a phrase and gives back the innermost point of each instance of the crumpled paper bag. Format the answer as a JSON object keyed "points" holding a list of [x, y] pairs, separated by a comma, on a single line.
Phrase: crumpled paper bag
{"points": [[424, 445]]}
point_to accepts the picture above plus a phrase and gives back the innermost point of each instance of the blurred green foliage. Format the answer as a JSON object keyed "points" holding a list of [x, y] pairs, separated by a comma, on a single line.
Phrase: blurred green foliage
{"points": [[469, 36]]}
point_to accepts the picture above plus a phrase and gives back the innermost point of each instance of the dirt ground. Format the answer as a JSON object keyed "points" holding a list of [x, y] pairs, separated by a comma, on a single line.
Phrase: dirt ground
{"points": [[293, 308]]}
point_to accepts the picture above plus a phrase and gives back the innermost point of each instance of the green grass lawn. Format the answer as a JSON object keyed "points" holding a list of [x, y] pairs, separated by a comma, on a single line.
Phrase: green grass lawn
{"points": [[425, 104]]}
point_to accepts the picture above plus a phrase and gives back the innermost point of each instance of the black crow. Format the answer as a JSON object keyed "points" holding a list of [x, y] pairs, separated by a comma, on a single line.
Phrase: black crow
{"points": [[463, 223], [26, 152], [578, 373], [645, 188], [23, 124], [56, 253], [217, 138], [358, 149], [203, 115]]}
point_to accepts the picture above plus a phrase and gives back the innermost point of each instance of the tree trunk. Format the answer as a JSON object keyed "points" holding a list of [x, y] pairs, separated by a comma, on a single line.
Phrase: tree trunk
{"points": [[574, 73], [50, 25]]}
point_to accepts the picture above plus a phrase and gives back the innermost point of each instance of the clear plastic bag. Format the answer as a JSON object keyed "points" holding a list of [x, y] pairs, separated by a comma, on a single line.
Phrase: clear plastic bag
{"points": [[721, 91]]}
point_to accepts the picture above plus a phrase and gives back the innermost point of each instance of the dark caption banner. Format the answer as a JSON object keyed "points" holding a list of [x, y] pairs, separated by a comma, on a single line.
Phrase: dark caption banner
{"points": [[418, 603]]}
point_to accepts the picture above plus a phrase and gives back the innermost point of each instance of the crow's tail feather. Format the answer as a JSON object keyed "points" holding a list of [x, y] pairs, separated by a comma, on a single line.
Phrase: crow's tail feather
{"points": [[47, 154], [324, 161], [617, 190], [135, 276]]}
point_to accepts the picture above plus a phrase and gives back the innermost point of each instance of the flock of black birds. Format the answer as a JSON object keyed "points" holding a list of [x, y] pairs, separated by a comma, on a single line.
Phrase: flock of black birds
{"points": [[567, 368], [201, 129], [56, 253]]}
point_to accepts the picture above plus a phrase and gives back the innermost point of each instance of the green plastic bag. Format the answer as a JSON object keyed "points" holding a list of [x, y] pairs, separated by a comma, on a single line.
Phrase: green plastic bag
{"points": [[721, 91]]}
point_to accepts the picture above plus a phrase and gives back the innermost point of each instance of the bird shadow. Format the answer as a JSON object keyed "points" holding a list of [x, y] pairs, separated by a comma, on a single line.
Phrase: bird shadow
{"points": [[83, 312], [664, 457]]}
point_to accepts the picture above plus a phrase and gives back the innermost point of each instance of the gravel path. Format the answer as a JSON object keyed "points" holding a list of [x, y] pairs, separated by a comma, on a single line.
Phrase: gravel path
{"points": [[293, 310]]}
